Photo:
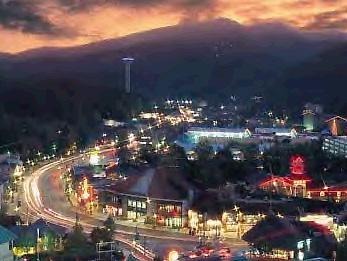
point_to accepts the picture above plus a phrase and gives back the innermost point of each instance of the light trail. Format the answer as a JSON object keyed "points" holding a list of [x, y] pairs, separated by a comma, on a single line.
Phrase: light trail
{"points": [[33, 198]]}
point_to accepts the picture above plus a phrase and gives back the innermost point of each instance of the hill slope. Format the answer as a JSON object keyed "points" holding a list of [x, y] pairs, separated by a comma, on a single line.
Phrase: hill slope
{"points": [[211, 60]]}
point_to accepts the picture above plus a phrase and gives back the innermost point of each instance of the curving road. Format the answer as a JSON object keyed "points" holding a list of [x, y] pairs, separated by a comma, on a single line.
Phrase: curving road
{"points": [[44, 197]]}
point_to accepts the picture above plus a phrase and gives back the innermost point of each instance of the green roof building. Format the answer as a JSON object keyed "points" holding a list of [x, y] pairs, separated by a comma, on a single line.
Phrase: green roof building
{"points": [[6, 238]]}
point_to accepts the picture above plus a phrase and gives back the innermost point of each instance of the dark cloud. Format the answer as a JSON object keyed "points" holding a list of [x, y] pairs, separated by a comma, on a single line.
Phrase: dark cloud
{"points": [[80, 5], [22, 15], [190, 9], [329, 20], [195, 10]]}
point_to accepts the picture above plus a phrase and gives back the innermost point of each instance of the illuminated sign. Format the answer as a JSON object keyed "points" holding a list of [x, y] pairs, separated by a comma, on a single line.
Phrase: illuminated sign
{"points": [[297, 165]]}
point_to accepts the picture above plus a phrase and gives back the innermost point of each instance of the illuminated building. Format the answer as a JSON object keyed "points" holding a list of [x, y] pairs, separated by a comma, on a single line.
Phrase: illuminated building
{"points": [[159, 196], [335, 145], [336, 193], [80, 171], [104, 159], [38, 237], [340, 226], [6, 239], [282, 132], [217, 135], [11, 168], [294, 184], [297, 184], [289, 239], [309, 120], [113, 123], [311, 114], [337, 125]]}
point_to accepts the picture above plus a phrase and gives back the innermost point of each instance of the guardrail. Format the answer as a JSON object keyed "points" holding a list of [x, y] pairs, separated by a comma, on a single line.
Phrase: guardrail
{"points": [[146, 254]]}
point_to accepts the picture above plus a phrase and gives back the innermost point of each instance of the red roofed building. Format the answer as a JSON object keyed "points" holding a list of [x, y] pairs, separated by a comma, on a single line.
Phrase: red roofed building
{"points": [[294, 184], [160, 196], [337, 193], [297, 184]]}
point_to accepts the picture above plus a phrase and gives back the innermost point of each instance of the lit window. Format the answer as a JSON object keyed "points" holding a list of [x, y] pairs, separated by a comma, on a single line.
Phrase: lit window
{"points": [[322, 194]]}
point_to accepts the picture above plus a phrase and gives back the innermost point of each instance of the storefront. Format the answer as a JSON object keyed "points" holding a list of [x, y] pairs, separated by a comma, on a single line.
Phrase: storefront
{"points": [[136, 209], [169, 214]]}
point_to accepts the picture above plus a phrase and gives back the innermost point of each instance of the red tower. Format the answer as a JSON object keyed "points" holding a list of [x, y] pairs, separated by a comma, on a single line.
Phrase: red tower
{"points": [[298, 175]]}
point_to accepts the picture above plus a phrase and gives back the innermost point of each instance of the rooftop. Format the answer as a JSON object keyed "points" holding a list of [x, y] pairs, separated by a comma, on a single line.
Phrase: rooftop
{"points": [[158, 183], [6, 235]]}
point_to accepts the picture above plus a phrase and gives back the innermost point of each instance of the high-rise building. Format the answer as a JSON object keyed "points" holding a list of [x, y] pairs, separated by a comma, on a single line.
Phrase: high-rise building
{"points": [[127, 61], [309, 120], [311, 115]]}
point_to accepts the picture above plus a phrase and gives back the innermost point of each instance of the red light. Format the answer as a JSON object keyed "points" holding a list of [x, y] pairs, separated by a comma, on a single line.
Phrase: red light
{"points": [[297, 165]]}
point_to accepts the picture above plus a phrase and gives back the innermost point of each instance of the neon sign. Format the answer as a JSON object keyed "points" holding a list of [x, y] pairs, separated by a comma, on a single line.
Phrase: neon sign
{"points": [[297, 165]]}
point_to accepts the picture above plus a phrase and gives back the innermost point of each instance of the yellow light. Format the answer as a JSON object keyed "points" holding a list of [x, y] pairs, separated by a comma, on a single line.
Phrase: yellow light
{"points": [[173, 255], [85, 195]]}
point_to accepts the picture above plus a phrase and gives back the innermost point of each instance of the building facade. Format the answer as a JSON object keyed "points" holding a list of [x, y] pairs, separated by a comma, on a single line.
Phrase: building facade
{"points": [[335, 145], [297, 184], [309, 120], [153, 196], [6, 240]]}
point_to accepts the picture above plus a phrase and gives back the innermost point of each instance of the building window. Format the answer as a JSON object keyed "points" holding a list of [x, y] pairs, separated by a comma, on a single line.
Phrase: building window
{"points": [[322, 194]]}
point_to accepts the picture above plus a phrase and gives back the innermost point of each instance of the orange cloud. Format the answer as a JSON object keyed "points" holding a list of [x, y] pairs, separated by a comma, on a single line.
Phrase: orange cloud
{"points": [[73, 22]]}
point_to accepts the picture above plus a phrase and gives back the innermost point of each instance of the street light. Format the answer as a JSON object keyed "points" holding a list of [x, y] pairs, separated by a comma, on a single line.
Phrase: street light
{"points": [[155, 219], [236, 208], [173, 255]]}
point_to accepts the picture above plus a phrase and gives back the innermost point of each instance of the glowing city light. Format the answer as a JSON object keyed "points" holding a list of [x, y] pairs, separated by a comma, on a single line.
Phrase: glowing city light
{"points": [[173, 255], [94, 159]]}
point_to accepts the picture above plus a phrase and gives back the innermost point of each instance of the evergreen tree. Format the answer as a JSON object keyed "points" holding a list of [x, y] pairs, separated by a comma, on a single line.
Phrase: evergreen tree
{"points": [[76, 244]]}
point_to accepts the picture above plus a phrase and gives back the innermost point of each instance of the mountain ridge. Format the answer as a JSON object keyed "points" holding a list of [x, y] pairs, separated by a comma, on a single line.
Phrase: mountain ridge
{"points": [[184, 60]]}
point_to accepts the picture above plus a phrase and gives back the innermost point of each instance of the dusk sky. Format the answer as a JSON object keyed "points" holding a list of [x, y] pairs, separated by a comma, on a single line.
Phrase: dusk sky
{"points": [[26, 24]]}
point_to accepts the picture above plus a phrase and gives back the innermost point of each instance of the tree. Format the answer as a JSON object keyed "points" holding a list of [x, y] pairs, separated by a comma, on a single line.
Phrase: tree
{"points": [[100, 235], [204, 150], [76, 244], [341, 252], [104, 234], [110, 225]]}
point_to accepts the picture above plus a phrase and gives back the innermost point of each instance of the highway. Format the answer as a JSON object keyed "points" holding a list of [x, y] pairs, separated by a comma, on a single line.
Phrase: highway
{"points": [[44, 198]]}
